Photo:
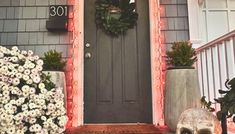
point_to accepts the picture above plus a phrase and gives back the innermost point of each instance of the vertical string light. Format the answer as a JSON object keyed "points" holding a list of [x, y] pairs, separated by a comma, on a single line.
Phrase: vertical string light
{"points": [[158, 62], [74, 60]]}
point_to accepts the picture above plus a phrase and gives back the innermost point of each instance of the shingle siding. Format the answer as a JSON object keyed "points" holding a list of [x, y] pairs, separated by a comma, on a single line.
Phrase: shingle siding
{"points": [[23, 23], [174, 18]]}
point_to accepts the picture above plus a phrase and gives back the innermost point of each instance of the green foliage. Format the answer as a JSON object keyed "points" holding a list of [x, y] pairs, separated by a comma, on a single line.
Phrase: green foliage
{"points": [[182, 54], [46, 79], [115, 26], [53, 61], [207, 105], [227, 102]]}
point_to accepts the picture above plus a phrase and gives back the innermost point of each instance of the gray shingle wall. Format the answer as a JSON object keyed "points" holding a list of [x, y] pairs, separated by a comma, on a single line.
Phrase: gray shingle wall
{"points": [[174, 17], [23, 23]]}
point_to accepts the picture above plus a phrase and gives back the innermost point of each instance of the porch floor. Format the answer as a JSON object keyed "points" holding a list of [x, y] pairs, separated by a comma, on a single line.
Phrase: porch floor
{"points": [[118, 129]]}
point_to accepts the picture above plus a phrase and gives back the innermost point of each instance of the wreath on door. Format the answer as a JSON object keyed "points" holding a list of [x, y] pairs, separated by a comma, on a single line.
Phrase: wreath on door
{"points": [[115, 17]]}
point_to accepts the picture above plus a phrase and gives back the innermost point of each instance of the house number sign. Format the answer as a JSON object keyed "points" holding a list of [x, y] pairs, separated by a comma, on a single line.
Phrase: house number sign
{"points": [[59, 11], [58, 18]]}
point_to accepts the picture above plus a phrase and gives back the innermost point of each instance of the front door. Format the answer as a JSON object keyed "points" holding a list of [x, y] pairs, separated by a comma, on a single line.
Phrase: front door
{"points": [[117, 71]]}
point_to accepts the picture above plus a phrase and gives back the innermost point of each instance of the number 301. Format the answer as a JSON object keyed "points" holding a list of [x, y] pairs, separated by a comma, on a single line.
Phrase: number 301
{"points": [[58, 11]]}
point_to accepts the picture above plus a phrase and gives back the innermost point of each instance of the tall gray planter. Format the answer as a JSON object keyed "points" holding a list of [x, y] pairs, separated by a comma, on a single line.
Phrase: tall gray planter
{"points": [[181, 92]]}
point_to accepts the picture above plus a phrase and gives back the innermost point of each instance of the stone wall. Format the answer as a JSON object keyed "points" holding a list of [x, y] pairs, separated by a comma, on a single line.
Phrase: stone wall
{"points": [[23, 23], [174, 18]]}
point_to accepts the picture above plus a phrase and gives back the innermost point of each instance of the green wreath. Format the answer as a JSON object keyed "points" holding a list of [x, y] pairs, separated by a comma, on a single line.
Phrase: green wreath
{"points": [[115, 17]]}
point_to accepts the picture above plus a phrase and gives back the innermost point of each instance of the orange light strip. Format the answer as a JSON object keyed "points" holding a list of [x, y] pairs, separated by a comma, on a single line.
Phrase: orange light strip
{"points": [[157, 63], [74, 75]]}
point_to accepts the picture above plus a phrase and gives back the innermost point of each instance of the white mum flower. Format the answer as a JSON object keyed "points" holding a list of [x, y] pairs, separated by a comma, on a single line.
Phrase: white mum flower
{"points": [[32, 105], [15, 48], [24, 107], [16, 81], [24, 52], [21, 69], [44, 118], [11, 130], [4, 68], [21, 100], [32, 120], [29, 81], [13, 53], [36, 79], [41, 85], [25, 88], [34, 71], [40, 62], [32, 90], [51, 106], [27, 72], [5, 99], [30, 52], [5, 93], [1, 55], [20, 131], [36, 57], [14, 59], [25, 77], [46, 124], [19, 75], [39, 68], [31, 65]]}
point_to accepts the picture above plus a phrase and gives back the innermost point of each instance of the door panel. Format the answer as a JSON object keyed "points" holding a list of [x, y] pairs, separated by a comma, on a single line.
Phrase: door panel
{"points": [[117, 76]]}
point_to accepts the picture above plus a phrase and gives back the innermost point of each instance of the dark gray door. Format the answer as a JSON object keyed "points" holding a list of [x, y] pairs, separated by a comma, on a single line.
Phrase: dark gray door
{"points": [[117, 75]]}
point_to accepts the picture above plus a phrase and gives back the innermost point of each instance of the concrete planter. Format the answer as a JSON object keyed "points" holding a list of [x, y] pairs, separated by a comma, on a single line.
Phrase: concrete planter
{"points": [[58, 78], [181, 92]]}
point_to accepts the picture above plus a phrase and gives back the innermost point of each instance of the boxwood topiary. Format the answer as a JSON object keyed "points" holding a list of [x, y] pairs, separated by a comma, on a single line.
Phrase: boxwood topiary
{"points": [[181, 55], [53, 61]]}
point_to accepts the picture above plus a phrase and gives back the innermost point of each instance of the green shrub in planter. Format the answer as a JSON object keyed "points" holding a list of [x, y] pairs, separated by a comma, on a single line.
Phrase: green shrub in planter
{"points": [[53, 61], [182, 55]]}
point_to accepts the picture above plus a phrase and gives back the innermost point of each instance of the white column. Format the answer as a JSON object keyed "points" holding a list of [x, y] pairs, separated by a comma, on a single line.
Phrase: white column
{"points": [[194, 21]]}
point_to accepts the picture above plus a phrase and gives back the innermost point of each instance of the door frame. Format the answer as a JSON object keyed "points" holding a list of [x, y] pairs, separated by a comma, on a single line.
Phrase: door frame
{"points": [[76, 99]]}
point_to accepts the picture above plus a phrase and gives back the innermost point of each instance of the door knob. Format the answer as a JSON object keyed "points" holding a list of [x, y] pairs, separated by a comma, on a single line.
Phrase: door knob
{"points": [[87, 55]]}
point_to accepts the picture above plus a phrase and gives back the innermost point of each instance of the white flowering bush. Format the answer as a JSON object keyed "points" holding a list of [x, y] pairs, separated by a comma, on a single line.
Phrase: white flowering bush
{"points": [[27, 105]]}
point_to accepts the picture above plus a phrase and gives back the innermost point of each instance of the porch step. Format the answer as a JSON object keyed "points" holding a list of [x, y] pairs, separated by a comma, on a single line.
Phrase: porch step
{"points": [[118, 129]]}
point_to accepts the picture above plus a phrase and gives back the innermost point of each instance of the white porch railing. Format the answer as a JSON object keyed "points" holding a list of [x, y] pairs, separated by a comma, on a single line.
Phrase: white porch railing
{"points": [[216, 64]]}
